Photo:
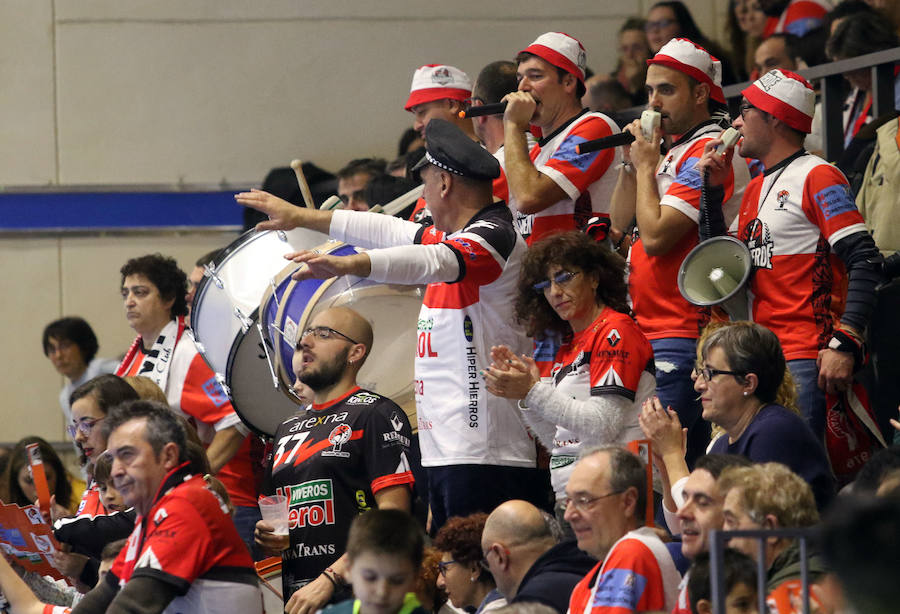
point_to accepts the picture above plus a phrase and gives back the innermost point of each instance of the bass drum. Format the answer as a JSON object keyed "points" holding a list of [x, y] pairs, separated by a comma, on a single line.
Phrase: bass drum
{"points": [[289, 307], [233, 285]]}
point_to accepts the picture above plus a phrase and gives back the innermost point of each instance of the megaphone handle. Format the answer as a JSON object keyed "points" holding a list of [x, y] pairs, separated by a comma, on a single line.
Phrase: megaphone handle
{"points": [[712, 218]]}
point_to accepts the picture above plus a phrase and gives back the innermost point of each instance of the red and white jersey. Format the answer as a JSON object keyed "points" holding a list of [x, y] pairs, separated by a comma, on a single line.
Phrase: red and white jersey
{"points": [[799, 18], [660, 309], [637, 575], [91, 504], [460, 422], [790, 218], [610, 357], [188, 540], [56, 609], [500, 187], [193, 390], [583, 177]]}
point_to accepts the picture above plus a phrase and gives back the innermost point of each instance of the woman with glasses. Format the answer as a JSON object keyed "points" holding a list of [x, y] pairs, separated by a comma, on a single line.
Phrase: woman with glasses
{"points": [[461, 573], [593, 367], [740, 372]]}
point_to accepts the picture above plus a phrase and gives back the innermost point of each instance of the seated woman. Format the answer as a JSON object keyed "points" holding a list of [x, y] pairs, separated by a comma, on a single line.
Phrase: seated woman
{"points": [[17, 485], [741, 369], [469, 585], [589, 391]]}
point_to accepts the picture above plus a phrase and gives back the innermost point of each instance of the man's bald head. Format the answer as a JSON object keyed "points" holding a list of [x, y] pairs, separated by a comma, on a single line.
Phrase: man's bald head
{"points": [[517, 521], [514, 537], [350, 323]]}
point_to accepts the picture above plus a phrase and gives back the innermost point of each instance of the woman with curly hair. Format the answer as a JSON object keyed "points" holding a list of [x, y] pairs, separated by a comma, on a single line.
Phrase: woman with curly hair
{"points": [[572, 294], [467, 582]]}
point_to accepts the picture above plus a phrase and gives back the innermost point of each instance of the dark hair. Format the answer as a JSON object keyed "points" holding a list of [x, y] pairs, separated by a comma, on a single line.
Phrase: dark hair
{"points": [[18, 458], [845, 9], [859, 34], [208, 257], [369, 166], [750, 348], [388, 531], [633, 23], [869, 477], [626, 470], [163, 426], [461, 537], [860, 541], [689, 29], [382, 189], [76, 330], [102, 469], [573, 249], [408, 137], [495, 81], [107, 391], [791, 44], [715, 464], [162, 272], [560, 72], [737, 568]]}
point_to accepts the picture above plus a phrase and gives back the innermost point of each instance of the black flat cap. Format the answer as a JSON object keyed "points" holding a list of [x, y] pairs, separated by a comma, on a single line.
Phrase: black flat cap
{"points": [[448, 148]]}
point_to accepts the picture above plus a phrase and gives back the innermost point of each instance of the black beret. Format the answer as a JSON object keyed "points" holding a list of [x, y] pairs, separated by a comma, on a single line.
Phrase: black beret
{"points": [[448, 148]]}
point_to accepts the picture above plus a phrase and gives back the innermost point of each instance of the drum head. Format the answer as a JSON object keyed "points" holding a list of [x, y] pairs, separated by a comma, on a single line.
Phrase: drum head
{"points": [[252, 384], [232, 289]]}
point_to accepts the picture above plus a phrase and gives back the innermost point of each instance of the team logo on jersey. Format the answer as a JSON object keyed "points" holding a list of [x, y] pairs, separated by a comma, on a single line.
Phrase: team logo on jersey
{"points": [[758, 239], [362, 398], [338, 436], [782, 198], [215, 392], [311, 503], [148, 559], [834, 200], [441, 76], [396, 421], [160, 515], [468, 329], [611, 379], [613, 338], [667, 164]]}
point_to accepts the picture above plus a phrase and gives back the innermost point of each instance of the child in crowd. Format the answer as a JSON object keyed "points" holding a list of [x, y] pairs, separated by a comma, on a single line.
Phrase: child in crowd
{"points": [[109, 496], [384, 549], [739, 573]]}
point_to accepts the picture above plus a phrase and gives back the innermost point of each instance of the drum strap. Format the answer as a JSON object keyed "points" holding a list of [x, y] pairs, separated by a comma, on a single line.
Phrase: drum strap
{"points": [[156, 362]]}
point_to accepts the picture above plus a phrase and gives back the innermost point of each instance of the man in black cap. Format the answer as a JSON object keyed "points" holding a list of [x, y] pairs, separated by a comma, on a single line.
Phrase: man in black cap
{"points": [[475, 447]]}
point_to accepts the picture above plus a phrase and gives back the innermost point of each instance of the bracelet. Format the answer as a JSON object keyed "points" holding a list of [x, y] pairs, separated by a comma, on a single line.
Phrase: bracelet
{"points": [[338, 578], [331, 579], [627, 167], [842, 341]]}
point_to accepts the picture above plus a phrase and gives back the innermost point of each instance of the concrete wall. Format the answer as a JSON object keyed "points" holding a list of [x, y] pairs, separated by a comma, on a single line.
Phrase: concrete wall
{"points": [[165, 91]]}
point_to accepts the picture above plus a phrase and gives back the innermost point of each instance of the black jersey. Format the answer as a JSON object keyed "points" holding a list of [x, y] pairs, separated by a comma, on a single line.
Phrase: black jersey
{"points": [[329, 461]]}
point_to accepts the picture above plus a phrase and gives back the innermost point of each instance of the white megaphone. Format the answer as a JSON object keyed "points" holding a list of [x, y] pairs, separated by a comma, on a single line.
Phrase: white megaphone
{"points": [[716, 273]]}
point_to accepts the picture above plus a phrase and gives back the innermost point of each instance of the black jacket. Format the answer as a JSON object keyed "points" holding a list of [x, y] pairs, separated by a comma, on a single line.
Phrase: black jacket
{"points": [[553, 576]]}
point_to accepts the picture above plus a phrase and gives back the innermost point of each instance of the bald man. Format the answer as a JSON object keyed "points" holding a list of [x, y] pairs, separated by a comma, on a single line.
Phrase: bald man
{"points": [[346, 453], [525, 559]]}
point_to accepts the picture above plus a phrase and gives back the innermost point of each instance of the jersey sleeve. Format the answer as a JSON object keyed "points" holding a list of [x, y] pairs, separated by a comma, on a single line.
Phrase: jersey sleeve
{"points": [[204, 399], [482, 249], [619, 356], [177, 548], [683, 193], [388, 437], [829, 204], [574, 172], [630, 582]]}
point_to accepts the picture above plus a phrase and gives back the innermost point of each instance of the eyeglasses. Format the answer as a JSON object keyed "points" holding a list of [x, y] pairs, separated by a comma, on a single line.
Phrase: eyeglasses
{"points": [[324, 333], [582, 503], [658, 25], [745, 106], [708, 373], [443, 565], [560, 279], [84, 426]]}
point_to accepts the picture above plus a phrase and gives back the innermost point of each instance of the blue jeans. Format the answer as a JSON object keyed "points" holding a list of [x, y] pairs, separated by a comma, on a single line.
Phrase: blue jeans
{"points": [[810, 398], [675, 359], [245, 519]]}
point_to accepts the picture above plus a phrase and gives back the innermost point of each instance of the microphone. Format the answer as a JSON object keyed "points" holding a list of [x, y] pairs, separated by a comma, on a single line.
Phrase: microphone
{"points": [[495, 108], [615, 140]]}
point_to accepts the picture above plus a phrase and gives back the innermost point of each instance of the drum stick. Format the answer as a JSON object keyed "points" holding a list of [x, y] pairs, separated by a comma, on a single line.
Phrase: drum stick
{"points": [[297, 165], [332, 202], [404, 200]]}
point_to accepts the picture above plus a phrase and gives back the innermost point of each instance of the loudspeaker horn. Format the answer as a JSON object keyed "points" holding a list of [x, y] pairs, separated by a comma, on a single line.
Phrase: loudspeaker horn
{"points": [[716, 272]]}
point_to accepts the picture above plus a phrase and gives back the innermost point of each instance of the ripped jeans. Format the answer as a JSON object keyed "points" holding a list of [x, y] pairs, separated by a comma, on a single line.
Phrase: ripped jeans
{"points": [[675, 359]]}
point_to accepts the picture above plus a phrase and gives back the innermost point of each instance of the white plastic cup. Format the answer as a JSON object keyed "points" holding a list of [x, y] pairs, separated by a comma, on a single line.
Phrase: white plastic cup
{"points": [[274, 510]]}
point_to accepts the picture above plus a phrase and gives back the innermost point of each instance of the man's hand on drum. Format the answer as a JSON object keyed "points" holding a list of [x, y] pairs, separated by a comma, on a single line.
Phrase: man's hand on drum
{"points": [[323, 266], [282, 214], [510, 376], [265, 537]]}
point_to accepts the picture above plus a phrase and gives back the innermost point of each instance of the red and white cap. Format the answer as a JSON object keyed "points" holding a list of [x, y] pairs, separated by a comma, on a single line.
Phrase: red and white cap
{"points": [[437, 82], [561, 50], [693, 60], [786, 96]]}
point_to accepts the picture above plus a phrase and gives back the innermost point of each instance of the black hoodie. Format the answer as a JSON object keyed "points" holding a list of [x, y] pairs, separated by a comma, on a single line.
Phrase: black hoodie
{"points": [[553, 576]]}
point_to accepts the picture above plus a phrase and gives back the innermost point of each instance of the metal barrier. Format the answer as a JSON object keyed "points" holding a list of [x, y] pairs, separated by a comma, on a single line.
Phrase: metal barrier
{"points": [[717, 545]]}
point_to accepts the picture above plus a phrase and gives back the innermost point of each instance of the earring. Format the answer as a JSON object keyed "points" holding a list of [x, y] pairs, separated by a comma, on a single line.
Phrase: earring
{"points": [[746, 393], [472, 579]]}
